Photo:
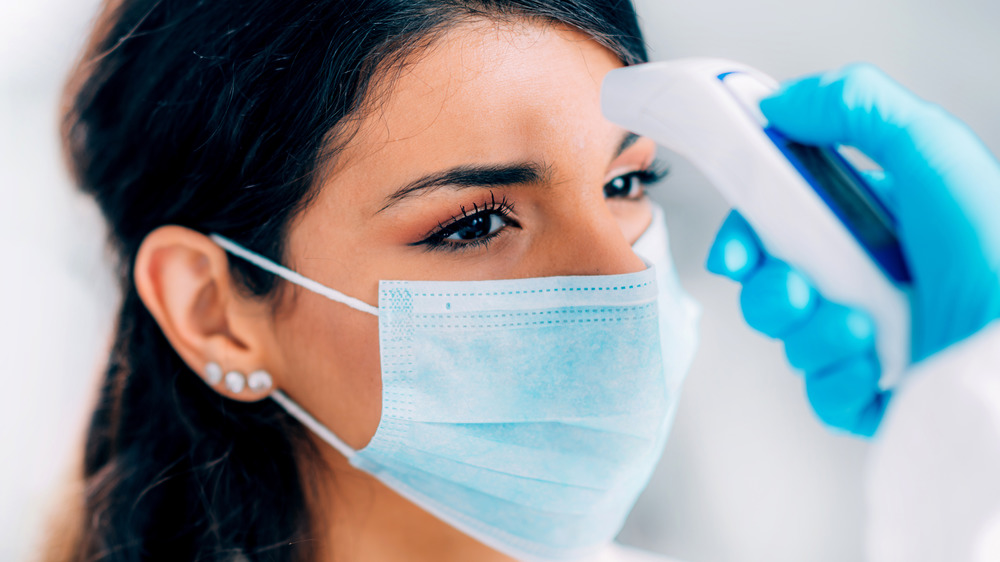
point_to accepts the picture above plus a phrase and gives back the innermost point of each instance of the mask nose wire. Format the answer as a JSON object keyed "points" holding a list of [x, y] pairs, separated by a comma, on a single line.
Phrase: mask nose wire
{"points": [[291, 276]]}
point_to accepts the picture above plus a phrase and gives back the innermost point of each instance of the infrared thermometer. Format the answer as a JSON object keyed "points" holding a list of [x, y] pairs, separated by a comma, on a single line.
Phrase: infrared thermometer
{"points": [[809, 207]]}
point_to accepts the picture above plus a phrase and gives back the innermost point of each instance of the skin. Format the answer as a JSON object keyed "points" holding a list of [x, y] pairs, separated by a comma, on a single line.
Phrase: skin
{"points": [[485, 93]]}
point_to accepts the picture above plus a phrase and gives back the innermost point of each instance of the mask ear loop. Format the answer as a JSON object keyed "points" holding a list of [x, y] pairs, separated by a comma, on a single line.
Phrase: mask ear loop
{"points": [[278, 396], [291, 276], [312, 423]]}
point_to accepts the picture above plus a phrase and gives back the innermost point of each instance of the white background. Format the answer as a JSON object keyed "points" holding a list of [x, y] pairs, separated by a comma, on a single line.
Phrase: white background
{"points": [[748, 474]]}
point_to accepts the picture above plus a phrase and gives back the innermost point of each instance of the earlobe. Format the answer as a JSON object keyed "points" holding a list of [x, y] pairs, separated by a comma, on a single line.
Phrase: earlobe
{"points": [[183, 279]]}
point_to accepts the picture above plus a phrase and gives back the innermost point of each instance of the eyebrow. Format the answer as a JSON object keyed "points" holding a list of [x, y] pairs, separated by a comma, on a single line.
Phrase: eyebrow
{"points": [[503, 175], [629, 140]]}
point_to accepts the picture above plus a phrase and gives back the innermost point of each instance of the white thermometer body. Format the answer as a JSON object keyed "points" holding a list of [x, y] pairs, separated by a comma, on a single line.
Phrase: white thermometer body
{"points": [[809, 207]]}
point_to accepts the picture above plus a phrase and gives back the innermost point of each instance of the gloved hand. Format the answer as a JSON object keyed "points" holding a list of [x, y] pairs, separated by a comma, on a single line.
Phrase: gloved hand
{"points": [[943, 186]]}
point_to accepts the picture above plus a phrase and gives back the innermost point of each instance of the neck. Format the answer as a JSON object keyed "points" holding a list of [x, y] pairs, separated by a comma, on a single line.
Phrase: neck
{"points": [[361, 519]]}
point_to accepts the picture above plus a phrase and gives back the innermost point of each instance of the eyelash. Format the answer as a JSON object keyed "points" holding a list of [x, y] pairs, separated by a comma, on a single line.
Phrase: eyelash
{"points": [[651, 176], [437, 239]]}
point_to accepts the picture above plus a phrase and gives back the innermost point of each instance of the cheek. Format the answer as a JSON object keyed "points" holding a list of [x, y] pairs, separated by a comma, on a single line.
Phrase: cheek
{"points": [[330, 366], [633, 217]]}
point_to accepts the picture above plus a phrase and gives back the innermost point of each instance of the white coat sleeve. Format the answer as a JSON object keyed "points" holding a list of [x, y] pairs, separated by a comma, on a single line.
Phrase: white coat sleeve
{"points": [[933, 481]]}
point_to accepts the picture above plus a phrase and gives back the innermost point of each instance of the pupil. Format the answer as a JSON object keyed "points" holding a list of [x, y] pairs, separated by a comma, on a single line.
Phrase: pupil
{"points": [[476, 227], [618, 186]]}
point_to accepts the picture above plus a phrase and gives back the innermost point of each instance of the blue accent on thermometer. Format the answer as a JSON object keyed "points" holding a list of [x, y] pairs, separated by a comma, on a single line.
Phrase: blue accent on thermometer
{"points": [[852, 201]]}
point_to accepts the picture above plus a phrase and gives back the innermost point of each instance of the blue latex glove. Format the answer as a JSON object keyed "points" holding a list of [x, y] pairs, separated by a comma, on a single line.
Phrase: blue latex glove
{"points": [[944, 187]]}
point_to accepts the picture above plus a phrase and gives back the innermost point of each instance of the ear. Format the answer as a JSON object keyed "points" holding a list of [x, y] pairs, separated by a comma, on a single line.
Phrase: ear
{"points": [[183, 279]]}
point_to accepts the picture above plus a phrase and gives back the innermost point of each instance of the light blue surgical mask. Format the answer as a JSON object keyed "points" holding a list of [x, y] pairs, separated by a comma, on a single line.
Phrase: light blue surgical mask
{"points": [[527, 413]]}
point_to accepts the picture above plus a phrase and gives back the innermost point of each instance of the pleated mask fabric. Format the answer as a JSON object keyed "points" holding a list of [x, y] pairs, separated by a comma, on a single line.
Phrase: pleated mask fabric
{"points": [[527, 413]]}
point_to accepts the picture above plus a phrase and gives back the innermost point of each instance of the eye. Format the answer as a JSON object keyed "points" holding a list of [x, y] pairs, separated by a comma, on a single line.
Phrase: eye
{"points": [[624, 187], [633, 184], [471, 228]]}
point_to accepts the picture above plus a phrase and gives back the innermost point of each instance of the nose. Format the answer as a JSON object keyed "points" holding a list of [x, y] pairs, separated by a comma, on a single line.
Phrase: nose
{"points": [[589, 241]]}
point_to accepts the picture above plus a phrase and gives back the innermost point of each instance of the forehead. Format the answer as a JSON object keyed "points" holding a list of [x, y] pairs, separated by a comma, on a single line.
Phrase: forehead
{"points": [[488, 92]]}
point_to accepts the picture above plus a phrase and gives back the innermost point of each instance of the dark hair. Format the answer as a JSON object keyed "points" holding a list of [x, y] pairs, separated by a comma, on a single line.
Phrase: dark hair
{"points": [[217, 116]]}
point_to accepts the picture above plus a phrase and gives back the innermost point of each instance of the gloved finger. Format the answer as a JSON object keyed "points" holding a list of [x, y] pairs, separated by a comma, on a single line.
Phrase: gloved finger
{"points": [[847, 395], [832, 334], [884, 187], [948, 188], [911, 139], [859, 105], [736, 251], [776, 298]]}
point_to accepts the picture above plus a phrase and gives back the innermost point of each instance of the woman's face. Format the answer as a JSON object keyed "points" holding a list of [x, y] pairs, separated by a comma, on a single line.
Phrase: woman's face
{"points": [[486, 158]]}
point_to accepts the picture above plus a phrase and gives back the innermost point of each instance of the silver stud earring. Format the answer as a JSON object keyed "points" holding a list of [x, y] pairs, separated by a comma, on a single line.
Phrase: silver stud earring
{"points": [[259, 381], [213, 373], [235, 382]]}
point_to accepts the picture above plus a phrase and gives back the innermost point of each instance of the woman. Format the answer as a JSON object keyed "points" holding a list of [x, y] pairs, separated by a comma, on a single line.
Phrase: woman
{"points": [[441, 142]]}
